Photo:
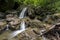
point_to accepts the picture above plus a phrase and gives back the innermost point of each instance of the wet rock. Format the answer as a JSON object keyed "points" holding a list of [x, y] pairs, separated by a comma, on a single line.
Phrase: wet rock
{"points": [[15, 23], [13, 20]]}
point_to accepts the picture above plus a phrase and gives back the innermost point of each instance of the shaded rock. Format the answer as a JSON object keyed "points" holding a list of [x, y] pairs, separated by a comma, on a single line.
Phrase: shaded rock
{"points": [[51, 19], [54, 33], [34, 23], [2, 15], [31, 14], [14, 12]]}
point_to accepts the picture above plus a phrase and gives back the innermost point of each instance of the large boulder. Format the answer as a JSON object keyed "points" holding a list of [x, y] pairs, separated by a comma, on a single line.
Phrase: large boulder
{"points": [[13, 21]]}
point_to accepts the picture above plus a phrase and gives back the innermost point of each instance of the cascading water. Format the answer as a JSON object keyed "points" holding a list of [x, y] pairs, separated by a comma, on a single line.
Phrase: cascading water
{"points": [[22, 25], [22, 13], [7, 27]]}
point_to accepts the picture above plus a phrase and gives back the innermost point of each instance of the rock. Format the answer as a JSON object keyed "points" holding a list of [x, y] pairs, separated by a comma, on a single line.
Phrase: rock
{"points": [[2, 24], [13, 20], [15, 23], [35, 24], [10, 17], [13, 12], [31, 14], [52, 19], [29, 34], [54, 33]]}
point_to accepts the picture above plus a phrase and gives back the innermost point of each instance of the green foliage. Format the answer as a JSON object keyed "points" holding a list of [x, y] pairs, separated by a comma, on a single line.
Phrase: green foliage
{"points": [[46, 4], [39, 2], [19, 1], [32, 2], [57, 5]]}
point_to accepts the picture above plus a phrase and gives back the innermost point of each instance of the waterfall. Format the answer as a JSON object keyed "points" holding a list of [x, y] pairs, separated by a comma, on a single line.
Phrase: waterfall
{"points": [[22, 25], [22, 13]]}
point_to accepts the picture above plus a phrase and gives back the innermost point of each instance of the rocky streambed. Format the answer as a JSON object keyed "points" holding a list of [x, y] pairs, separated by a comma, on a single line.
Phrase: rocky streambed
{"points": [[34, 28]]}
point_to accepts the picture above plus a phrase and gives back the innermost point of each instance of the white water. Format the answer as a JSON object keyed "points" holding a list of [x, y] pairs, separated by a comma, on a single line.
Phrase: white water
{"points": [[22, 13], [15, 33], [22, 25], [7, 27]]}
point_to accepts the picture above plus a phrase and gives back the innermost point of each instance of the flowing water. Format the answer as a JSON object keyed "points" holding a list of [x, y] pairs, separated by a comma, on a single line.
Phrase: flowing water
{"points": [[22, 13], [7, 27], [22, 25]]}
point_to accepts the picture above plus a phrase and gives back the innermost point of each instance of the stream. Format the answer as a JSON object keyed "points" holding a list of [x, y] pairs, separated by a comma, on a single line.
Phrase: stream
{"points": [[22, 25], [10, 35]]}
